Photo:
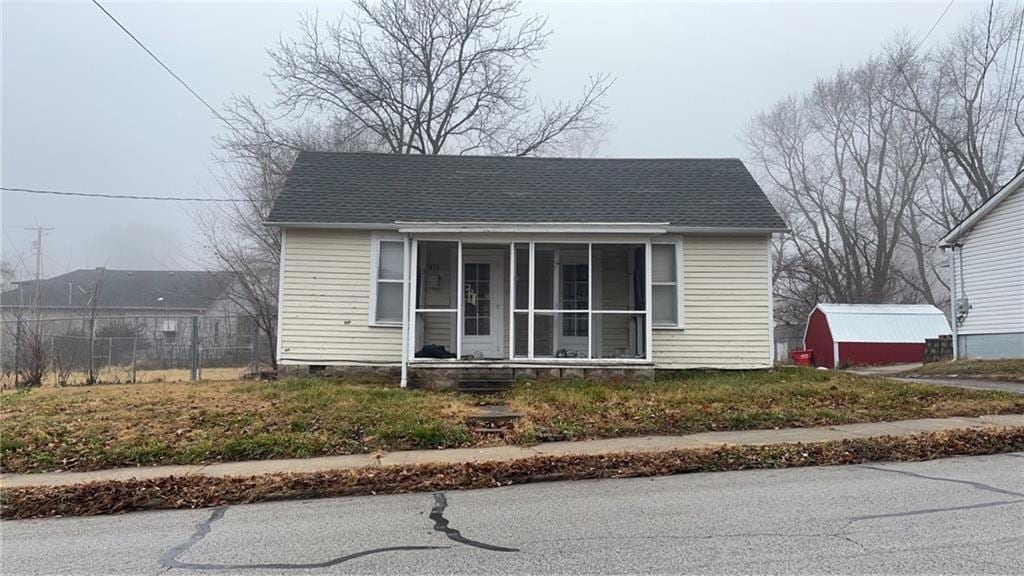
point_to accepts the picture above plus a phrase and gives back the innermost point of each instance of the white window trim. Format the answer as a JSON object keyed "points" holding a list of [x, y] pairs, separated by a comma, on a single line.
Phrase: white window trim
{"points": [[375, 240], [679, 325]]}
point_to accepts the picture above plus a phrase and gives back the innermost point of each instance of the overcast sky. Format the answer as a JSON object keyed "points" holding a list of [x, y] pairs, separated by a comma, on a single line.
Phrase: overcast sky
{"points": [[85, 109]]}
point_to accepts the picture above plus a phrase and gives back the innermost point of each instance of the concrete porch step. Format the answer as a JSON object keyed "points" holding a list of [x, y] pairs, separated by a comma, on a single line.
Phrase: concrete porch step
{"points": [[483, 386], [485, 380]]}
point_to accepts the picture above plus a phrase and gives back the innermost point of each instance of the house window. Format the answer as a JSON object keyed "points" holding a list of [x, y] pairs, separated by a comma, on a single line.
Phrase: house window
{"points": [[386, 285], [666, 285]]}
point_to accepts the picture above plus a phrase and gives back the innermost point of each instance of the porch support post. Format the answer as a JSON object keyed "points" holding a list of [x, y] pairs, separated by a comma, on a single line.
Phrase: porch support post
{"points": [[459, 308], [531, 314], [406, 312], [649, 316], [511, 300], [590, 300], [413, 289]]}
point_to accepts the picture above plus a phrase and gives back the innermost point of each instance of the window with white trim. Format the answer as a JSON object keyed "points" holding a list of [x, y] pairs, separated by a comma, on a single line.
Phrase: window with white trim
{"points": [[386, 283], [666, 285]]}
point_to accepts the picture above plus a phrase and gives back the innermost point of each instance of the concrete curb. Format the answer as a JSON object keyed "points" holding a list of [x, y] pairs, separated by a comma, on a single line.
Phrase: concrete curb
{"points": [[643, 444]]}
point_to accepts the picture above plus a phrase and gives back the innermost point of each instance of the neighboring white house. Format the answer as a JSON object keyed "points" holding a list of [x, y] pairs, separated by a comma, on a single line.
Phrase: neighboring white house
{"points": [[986, 261], [425, 262]]}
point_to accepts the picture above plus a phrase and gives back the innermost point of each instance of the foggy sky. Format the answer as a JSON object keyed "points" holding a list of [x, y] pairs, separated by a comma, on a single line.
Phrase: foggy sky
{"points": [[85, 109]]}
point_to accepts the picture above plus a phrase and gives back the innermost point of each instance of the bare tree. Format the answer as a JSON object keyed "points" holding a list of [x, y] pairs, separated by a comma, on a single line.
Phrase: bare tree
{"points": [[95, 294], [876, 163], [433, 76], [7, 276], [845, 164], [257, 153], [415, 77], [970, 94]]}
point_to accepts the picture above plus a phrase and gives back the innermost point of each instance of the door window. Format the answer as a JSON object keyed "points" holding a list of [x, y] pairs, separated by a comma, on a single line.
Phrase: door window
{"points": [[476, 278]]}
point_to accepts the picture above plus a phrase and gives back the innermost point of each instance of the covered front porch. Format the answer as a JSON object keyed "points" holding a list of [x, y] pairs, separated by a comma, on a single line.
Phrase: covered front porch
{"points": [[538, 303]]}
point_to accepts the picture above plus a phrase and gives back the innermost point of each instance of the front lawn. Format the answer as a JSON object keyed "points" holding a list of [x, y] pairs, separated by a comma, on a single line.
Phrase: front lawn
{"points": [[1011, 369], [146, 424]]}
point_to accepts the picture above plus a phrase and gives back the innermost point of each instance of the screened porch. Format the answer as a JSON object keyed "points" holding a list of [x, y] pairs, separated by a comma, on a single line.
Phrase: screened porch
{"points": [[568, 301]]}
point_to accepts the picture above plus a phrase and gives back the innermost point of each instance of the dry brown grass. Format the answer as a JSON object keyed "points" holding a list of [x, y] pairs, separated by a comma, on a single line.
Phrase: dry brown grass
{"points": [[88, 428], [123, 375]]}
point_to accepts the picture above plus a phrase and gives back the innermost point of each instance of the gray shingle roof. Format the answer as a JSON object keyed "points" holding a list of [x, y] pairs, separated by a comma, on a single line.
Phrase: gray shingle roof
{"points": [[191, 289], [359, 188]]}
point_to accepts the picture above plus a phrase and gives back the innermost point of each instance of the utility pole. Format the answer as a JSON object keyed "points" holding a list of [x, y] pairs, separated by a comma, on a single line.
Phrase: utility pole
{"points": [[39, 263]]}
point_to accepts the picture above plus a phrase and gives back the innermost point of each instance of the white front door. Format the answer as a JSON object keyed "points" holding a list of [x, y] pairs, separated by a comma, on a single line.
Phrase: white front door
{"points": [[482, 297]]}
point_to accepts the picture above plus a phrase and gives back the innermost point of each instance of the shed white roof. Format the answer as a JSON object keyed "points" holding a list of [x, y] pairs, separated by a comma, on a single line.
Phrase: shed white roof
{"points": [[884, 322]]}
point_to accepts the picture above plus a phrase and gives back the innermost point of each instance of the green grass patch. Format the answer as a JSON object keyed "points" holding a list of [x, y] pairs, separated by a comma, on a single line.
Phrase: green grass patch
{"points": [[88, 428]]}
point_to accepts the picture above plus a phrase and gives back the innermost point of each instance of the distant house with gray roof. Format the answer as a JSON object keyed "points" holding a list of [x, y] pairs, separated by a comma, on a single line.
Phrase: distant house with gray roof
{"points": [[160, 303], [540, 266]]}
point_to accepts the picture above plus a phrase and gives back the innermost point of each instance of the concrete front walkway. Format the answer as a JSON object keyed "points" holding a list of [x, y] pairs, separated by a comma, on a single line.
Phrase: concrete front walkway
{"points": [[504, 453]]}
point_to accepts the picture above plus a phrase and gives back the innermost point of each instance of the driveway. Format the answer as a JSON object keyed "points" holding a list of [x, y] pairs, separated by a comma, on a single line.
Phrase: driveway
{"points": [[975, 384], [959, 515]]}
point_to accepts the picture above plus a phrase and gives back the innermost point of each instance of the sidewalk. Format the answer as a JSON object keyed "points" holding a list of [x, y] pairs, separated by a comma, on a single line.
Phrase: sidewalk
{"points": [[506, 453]]}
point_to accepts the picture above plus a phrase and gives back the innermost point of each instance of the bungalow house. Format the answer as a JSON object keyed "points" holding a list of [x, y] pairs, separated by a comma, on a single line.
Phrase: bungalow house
{"points": [[986, 275], [448, 265]]}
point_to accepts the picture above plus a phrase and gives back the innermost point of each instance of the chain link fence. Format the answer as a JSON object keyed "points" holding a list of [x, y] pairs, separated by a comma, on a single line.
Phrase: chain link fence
{"points": [[129, 349]]}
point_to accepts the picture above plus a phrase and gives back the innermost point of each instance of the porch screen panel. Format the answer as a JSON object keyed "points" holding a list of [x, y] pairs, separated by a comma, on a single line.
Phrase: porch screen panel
{"points": [[561, 300], [618, 277], [436, 278], [436, 300], [521, 338], [522, 277], [435, 334], [619, 336]]}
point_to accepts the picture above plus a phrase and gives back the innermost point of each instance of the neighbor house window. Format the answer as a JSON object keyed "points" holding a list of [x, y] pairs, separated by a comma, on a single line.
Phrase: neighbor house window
{"points": [[666, 285], [386, 286]]}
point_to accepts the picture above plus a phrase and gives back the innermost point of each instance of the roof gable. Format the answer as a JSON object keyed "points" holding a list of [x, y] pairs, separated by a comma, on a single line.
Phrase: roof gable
{"points": [[346, 189], [967, 224]]}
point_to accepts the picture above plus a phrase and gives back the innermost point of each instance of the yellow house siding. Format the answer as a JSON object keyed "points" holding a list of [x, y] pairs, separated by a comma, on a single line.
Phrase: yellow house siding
{"points": [[325, 296], [726, 302], [326, 291]]}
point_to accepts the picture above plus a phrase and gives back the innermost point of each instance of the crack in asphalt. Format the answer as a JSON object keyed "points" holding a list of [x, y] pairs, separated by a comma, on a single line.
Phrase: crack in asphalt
{"points": [[978, 485], [169, 559], [936, 510], [441, 525]]}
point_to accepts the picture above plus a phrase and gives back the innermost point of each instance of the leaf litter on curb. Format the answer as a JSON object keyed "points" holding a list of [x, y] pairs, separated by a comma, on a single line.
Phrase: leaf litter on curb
{"points": [[175, 492]]}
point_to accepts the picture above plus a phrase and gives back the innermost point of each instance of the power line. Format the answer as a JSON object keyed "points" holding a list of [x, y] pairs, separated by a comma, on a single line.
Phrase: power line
{"points": [[118, 196], [930, 30], [160, 62]]}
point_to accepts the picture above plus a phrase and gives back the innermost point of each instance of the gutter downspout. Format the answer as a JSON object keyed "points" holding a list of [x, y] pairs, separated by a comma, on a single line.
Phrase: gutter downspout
{"points": [[953, 300]]}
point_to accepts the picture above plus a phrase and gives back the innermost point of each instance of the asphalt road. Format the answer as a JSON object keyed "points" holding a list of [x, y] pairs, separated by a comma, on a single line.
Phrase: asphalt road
{"points": [[960, 515]]}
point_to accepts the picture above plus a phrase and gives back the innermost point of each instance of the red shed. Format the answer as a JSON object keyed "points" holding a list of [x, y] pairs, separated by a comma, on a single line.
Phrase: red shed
{"points": [[871, 334]]}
